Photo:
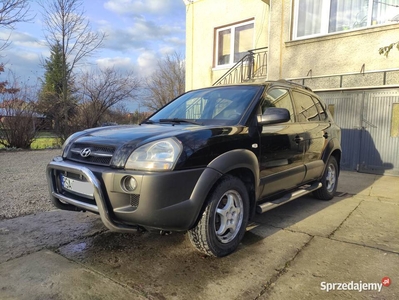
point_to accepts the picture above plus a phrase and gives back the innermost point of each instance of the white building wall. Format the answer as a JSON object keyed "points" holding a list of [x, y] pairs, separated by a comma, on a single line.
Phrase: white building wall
{"points": [[203, 16], [343, 52]]}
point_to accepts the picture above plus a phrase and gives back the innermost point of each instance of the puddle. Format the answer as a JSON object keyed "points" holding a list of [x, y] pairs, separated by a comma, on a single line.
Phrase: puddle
{"points": [[78, 248]]}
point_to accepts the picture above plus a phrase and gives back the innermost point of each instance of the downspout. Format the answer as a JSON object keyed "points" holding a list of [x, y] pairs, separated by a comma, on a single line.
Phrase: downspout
{"points": [[269, 2], [189, 80], [281, 39], [192, 46]]}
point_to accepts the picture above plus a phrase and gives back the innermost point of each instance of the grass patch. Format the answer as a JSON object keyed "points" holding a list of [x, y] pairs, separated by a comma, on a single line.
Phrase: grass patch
{"points": [[43, 142]]}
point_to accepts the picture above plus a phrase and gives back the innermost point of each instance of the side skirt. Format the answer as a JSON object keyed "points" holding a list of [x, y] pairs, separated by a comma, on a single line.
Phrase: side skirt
{"points": [[264, 207]]}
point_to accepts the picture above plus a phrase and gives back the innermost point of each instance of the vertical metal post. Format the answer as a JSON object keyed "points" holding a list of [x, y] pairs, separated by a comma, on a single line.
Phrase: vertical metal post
{"points": [[250, 64]]}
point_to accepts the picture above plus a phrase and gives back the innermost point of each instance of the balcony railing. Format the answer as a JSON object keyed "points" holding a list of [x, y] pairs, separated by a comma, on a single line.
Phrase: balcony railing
{"points": [[253, 65]]}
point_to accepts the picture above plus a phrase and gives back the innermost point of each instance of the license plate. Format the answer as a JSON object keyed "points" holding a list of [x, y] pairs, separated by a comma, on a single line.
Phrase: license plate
{"points": [[81, 187]]}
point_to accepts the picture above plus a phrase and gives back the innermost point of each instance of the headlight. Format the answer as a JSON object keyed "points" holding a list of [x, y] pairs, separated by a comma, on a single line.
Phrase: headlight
{"points": [[160, 155]]}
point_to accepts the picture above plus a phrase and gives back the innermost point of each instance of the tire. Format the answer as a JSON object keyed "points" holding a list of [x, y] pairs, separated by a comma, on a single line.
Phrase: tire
{"points": [[224, 220], [329, 181]]}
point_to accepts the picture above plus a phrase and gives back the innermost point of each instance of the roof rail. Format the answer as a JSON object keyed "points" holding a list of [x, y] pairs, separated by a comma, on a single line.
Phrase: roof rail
{"points": [[296, 84]]}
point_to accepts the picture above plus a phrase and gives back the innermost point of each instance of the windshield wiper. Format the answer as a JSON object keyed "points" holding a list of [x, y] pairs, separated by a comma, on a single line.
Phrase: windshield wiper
{"points": [[147, 122], [178, 121]]}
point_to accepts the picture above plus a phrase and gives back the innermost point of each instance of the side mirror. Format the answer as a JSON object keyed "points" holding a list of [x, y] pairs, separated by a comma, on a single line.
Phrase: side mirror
{"points": [[274, 115]]}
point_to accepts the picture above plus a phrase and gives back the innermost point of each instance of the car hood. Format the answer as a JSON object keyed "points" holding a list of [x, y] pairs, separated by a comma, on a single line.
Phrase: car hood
{"points": [[120, 135], [125, 139]]}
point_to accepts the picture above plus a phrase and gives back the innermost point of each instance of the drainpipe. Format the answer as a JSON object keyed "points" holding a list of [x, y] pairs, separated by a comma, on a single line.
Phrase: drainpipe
{"points": [[281, 39], [190, 4], [192, 45]]}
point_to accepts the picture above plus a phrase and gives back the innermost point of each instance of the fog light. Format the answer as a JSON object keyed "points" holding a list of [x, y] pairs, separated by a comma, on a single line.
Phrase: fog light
{"points": [[128, 183]]}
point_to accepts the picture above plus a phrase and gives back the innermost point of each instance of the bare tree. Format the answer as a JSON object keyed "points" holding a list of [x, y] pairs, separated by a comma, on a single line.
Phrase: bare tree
{"points": [[12, 12], [167, 82], [18, 122], [5, 88], [65, 24], [101, 90]]}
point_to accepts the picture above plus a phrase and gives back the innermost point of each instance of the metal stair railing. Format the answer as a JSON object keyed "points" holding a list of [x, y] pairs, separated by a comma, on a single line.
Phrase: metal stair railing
{"points": [[252, 65]]}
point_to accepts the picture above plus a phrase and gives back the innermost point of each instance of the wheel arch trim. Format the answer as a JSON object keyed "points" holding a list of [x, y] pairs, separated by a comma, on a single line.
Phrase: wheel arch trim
{"points": [[217, 168], [332, 147]]}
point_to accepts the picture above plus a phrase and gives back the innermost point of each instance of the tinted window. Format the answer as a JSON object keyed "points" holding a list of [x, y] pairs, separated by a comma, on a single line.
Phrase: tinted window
{"points": [[278, 98], [320, 108], [216, 105], [331, 108], [305, 108]]}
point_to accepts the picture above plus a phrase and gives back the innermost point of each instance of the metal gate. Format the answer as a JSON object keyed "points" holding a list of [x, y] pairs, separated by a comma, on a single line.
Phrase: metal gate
{"points": [[369, 121]]}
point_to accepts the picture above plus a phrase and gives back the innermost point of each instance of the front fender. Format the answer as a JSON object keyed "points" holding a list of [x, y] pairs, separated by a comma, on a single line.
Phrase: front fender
{"points": [[223, 164], [235, 159]]}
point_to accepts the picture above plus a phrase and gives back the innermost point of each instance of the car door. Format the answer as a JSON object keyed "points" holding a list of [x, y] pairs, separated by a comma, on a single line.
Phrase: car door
{"points": [[312, 118], [281, 147]]}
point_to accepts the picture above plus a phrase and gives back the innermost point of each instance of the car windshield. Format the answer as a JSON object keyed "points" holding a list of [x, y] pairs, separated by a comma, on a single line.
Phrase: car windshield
{"points": [[216, 105]]}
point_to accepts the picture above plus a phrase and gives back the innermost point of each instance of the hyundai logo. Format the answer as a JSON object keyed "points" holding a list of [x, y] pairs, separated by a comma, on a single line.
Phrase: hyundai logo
{"points": [[85, 152]]}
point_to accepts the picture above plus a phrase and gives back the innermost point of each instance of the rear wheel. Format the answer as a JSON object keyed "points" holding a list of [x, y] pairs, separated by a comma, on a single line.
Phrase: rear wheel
{"points": [[329, 181], [223, 223]]}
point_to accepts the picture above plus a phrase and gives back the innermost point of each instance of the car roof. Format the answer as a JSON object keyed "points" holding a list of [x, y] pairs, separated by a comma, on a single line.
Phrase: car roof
{"points": [[280, 82], [265, 83]]}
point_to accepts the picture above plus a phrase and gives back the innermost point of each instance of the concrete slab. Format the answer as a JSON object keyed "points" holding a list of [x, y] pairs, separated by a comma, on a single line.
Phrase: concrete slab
{"points": [[46, 275], [386, 187], [310, 216], [32, 233], [374, 223], [356, 183], [168, 267], [325, 260], [286, 254]]}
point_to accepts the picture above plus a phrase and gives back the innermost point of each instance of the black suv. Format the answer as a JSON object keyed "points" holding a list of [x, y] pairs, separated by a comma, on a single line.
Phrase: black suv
{"points": [[205, 163]]}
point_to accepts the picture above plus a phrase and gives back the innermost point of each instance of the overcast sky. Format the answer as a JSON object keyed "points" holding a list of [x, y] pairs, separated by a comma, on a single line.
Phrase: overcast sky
{"points": [[138, 33]]}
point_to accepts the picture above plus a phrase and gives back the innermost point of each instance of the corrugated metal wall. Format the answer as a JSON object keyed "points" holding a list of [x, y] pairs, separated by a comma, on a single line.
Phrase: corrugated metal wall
{"points": [[365, 117]]}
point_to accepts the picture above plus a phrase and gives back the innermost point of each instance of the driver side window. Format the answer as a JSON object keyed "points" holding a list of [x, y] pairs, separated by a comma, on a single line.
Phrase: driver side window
{"points": [[280, 98]]}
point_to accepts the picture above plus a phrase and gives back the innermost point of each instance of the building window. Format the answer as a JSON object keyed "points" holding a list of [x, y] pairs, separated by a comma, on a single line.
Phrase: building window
{"points": [[233, 42], [320, 17]]}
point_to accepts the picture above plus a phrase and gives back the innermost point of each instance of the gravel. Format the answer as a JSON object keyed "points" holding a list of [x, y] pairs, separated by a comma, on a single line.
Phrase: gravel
{"points": [[23, 185]]}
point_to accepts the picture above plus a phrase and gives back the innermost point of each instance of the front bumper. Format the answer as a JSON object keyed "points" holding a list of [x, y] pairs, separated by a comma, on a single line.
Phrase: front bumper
{"points": [[163, 200]]}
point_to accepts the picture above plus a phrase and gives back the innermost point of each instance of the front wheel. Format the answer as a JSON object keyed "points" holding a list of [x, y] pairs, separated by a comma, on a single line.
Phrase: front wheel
{"points": [[223, 223], [329, 181]]}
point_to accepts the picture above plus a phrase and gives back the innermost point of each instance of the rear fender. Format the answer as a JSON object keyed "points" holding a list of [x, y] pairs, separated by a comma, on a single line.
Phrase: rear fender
{"points": [[332, 146]]}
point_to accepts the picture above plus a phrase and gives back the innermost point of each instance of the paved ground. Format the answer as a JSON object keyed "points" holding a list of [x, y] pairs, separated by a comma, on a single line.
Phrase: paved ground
{"points": [[23, 187], [292, 252]]}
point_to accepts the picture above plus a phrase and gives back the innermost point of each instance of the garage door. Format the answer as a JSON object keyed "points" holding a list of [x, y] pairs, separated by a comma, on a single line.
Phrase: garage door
{"points": [[370, 129]]}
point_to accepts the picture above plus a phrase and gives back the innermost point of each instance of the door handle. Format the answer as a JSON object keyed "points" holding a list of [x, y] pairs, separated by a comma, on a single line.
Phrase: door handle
{"points": [[325, 135], [298, 139]]}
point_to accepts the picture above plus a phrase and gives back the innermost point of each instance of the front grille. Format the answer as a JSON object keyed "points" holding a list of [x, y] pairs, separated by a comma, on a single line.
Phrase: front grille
{"points": [[134, 200], [93, 154]]}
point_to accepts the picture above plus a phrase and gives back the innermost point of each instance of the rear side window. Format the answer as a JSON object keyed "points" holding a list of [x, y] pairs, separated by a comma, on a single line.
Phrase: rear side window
{"points": [[280, 98], [305, 108], [319, 106]]}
